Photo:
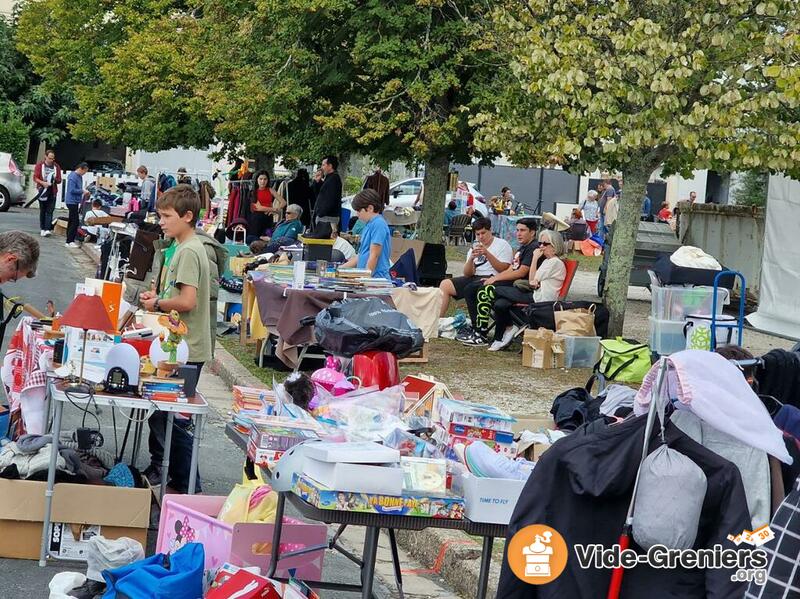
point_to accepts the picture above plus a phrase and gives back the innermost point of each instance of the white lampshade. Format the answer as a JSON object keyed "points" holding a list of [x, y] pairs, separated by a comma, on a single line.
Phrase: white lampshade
{"points": [[159, 355]]}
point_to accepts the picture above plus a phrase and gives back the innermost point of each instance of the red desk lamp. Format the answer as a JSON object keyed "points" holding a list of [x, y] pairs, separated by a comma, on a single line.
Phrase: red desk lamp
{"points": [[87, 312]]}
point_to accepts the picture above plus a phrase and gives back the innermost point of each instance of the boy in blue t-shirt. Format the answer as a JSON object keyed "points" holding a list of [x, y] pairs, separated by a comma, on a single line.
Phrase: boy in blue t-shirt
{"points": [[376, 239]]}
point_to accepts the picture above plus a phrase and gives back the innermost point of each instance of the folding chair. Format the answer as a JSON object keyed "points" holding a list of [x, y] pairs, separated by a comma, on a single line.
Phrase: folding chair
{"points": [[518, 316]]}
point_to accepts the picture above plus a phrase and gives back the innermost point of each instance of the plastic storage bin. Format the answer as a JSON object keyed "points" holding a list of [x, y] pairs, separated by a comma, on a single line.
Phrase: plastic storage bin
{"points": [[581, 352], [191, 518], [666, 336], [676, 302]]}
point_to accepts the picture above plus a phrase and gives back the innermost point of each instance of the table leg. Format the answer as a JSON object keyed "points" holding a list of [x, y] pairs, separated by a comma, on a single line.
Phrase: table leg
{"points": [[167, 448], [51, 482], [398, 575], [139, 431], [370, 553], [486, 562], [198, 429], [276, 535]]}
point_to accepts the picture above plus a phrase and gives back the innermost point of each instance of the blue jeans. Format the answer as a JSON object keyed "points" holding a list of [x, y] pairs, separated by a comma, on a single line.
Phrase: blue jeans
{"points": [[180, 456]]}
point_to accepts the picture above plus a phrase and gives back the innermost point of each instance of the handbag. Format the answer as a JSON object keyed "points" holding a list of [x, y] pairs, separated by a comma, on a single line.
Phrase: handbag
{"points": [[623, 360], [576, 322]]}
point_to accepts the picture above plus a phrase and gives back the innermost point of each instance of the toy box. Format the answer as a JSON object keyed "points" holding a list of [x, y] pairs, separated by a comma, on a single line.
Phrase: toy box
{"points": [[264, 458], [192, 518], [279, 437], [490, 499], [408, 504], [473, 415]]}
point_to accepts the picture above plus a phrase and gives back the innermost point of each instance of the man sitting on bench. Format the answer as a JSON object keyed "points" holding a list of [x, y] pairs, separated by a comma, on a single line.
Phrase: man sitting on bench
{"points": [[488, 257]]}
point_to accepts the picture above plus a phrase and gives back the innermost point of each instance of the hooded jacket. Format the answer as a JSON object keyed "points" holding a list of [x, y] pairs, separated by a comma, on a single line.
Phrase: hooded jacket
{"points": [[582, 487]]}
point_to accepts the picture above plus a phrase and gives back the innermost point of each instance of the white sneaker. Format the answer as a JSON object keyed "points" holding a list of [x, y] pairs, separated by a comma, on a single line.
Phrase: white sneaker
{"points": [[72, 245], [43, 233], [497, 346], [48, 233]]}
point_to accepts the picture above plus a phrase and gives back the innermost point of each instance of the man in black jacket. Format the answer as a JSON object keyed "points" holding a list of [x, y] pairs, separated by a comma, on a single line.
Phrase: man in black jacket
{"points": [[328, 207]]}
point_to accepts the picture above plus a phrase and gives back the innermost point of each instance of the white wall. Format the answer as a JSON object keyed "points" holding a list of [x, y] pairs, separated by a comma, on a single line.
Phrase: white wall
{"points": [[678, 188], [193, 160]]}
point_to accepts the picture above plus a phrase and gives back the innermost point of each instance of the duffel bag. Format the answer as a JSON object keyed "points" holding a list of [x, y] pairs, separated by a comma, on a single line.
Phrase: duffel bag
{"points": [[623, 360]]}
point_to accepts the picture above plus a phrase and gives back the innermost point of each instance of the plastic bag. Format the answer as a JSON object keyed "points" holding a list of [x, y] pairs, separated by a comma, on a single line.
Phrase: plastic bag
{"points": [[354, 326], [251, 502], [63, 582], [107, 554], [411, 445], [177, 576], [366, 414]]}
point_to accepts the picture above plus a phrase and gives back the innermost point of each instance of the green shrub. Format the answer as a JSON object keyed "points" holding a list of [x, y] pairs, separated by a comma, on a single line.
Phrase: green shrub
{"points": [[352, 185], [14, 134]]}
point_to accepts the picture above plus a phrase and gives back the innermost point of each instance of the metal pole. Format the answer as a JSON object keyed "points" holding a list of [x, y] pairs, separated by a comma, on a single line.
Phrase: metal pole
{"points": [[165, 458], [276, 535], [541, 186], [51, 482], [486, 562], [198, 428], [370, 551]]}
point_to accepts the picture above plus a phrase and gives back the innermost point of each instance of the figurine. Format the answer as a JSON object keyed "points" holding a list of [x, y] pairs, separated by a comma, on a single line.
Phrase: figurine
{"points": [[177, 330]]}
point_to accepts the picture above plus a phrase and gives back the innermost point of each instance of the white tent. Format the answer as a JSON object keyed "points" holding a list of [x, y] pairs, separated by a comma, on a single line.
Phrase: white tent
{"points": [[779, 298]]}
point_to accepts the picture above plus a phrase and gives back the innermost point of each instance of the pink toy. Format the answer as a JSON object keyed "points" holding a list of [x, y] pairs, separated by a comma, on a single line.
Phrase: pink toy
{"points": [[343, 386], [190, 518], [327, 378]]}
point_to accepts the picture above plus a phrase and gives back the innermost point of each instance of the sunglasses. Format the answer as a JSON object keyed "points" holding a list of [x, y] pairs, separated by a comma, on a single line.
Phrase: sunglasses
{"points": [[544, 243]]}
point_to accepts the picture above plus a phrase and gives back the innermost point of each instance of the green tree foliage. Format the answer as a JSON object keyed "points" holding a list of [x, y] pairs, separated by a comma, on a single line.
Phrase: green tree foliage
{"points": [[13, 133], [415, 70], [628, 86], [43, 111], [752, 190]]}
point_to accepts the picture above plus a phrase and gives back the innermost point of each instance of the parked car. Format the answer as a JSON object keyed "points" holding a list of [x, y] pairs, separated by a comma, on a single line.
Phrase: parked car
{"points": [[403, 194], [106, 167], [12, 183]]}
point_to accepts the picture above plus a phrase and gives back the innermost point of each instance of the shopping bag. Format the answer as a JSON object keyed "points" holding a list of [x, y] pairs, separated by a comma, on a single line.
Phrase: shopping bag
{"points": [[177, 576], [577, 322], [623, 360]]}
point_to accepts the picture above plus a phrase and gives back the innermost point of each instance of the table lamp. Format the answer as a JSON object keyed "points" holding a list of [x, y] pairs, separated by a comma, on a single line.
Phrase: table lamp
{"points": [[86, 312]]}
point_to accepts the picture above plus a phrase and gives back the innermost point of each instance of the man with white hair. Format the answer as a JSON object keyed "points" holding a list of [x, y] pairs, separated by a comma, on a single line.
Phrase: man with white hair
{"points": [[19, 256], [591, 210]]}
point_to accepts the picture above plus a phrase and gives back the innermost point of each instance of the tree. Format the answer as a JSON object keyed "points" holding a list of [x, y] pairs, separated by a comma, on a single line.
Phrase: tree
{"points": [[43, 112], [752, 189], [14, 134], [416, 71], [628, 86]]}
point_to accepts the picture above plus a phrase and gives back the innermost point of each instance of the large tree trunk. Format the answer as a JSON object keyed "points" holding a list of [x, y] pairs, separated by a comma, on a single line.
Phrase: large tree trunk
{"points": [[266, 162], [623, 246], [429, 228]]}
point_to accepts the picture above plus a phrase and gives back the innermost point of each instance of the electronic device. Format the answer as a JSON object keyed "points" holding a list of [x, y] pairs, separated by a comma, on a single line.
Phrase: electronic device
{"points": [[122, 369], [189, 374], [116, 381]]}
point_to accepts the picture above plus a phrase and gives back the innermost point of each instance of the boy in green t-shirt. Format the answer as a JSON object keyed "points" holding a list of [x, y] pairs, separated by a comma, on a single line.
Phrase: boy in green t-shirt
{"points": [[185, 288]]}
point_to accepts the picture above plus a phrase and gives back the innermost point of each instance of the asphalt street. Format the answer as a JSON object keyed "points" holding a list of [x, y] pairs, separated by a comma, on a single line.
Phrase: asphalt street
{"points": [[220, 464]]}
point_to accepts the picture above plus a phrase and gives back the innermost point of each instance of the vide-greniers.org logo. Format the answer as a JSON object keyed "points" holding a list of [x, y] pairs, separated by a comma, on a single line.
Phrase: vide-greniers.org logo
{"points": [[538, 554]]}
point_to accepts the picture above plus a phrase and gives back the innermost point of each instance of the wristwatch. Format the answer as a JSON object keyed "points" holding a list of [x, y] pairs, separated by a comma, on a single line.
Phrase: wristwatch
{"points": [[156, 306]]}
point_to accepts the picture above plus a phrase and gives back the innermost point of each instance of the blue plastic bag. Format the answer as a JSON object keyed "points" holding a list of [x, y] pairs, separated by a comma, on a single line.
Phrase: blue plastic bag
{"points": [[176, 576]]}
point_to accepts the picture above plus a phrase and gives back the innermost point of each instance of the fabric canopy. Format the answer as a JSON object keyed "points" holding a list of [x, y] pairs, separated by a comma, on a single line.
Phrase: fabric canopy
{"points": [[779, 298]]}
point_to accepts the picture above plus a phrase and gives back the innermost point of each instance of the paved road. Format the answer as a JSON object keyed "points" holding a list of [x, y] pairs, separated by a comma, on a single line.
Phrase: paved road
{"points": [[59, 269]]}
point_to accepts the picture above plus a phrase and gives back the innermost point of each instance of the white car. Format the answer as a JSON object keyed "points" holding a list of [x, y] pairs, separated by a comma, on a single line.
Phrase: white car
{"points": [[12, 183], [403, 194]]}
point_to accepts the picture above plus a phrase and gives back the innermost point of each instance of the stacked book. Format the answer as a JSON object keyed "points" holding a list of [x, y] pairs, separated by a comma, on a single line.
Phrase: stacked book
{"points": [[252, 399], [163, 389]]}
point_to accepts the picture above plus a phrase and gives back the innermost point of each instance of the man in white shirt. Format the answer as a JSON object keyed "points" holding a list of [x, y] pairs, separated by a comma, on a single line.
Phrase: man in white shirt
{"points": [[488, 257]]}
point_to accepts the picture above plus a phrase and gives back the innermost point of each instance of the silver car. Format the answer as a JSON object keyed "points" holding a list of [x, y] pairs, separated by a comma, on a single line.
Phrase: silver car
{"points": [[12, 183]]}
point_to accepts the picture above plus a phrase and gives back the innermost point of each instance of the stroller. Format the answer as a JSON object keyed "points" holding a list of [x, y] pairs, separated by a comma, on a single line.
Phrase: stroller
{"points": [[371, 334]]}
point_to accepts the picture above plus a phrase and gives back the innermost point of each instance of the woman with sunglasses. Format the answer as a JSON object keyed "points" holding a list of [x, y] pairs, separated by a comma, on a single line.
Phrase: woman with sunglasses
{"points": [[547, 275]]}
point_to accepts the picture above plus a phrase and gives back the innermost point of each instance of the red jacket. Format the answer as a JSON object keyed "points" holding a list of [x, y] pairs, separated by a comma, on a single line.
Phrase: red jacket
{"points": [[38, 174]]}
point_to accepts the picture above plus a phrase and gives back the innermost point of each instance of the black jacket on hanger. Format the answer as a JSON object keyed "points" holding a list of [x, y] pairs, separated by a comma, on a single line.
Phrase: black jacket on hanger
{"points": [[329, 200], [299, 192], [582, 487], [780, 376]]}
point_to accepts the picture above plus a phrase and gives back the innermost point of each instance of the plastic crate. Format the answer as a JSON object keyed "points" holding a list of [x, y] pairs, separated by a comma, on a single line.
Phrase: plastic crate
{"points": [[666, 336], [676, 302], [581, 352], [191, 518]]}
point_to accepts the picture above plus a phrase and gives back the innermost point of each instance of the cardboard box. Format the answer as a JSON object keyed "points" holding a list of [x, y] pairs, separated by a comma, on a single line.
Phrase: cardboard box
{"points": [[79, 512], [60, 227], [400, 246], [543, 349], [490, 500], [407, 504], [355, 478]]}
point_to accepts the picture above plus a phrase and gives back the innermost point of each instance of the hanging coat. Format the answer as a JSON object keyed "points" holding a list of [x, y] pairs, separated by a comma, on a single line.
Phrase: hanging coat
{"points": [[582, 487]]}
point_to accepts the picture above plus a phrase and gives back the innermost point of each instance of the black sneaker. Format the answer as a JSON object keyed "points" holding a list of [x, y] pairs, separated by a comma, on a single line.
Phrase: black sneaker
{"points": [[476, 340], [153, 475], [465, 333]]}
